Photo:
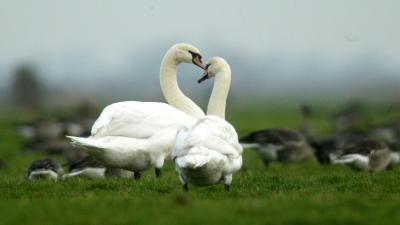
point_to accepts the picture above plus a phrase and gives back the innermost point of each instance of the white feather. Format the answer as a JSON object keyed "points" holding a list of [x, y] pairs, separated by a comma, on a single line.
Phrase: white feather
{"points": [[192, 161], [43, 174], [355, 160], [394, 158], [207, 151]]}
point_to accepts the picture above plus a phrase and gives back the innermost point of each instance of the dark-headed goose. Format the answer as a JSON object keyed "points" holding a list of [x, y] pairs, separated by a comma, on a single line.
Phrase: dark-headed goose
{"points": [[45, 169], [278, 144], [367, 155], [90, 168]]}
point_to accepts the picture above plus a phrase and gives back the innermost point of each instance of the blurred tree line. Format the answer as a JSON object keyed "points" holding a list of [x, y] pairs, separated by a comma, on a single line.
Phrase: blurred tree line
{"points": [[26, 89]]}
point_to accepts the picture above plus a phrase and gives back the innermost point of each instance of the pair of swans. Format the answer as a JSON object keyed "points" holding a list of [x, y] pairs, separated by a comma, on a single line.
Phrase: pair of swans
{"points": [[139, 135]]}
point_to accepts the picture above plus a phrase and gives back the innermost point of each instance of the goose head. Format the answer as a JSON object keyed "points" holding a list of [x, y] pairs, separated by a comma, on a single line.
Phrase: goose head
{"points": [[214, 66], [186, 53]]}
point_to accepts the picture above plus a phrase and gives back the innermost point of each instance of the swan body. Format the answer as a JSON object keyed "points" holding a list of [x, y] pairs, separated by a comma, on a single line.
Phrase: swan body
{"points": [[133, 154], [133, 135], [141, 120], [207, 151], [138, 135]]}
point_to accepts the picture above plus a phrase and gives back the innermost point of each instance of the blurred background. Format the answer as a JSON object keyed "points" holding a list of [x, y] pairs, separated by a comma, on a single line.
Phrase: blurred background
{"points": [[61, 53], [328, 70]]}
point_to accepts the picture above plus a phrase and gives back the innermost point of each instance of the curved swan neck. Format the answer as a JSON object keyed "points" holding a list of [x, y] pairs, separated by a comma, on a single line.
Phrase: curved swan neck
{"points": [[172, 93], [219, 95]]}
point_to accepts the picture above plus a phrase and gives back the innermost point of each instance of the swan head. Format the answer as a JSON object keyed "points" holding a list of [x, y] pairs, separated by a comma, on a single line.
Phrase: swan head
{"points": [[186, 53], [214, 66]]}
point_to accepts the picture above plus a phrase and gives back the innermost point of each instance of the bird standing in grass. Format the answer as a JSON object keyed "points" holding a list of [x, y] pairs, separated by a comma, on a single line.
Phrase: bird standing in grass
{"points": [[87, 167], [278, 144], [329, 148], [90, 168], [136, 135], [45, 169], [207, 151], [366, 155]]}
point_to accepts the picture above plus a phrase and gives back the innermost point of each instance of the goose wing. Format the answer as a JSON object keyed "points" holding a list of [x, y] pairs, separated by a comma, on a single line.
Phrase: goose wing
{"points": [[276, 136], [363, 147], [88, 161]]}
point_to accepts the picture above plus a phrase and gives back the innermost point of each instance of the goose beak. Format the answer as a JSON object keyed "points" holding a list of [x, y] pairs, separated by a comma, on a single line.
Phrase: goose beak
{"points": [[197, 61], [203, 77]]}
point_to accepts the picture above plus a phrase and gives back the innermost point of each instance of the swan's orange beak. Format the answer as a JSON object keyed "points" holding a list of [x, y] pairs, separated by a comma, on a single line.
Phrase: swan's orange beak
{"points": [[197, 61], [203, 77]]}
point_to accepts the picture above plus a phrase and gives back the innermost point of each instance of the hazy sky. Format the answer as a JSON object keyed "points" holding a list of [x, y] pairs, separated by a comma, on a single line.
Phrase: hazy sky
{"points": [[112, 29], [85, 36]]}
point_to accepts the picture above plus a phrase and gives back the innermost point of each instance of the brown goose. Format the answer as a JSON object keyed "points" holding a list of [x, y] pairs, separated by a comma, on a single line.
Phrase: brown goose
{"points": [[278, 144], [86, 167], [90, 168], [366, 155], [329, 148], [389, 132]]}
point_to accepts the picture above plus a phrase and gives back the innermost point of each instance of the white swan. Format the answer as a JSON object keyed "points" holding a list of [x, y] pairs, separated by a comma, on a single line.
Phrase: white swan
{"points": [[138, 135], [207, 151]]}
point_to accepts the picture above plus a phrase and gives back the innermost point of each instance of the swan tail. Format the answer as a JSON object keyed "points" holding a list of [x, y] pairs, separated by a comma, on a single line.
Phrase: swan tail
{"points": [[192, 161], [86, 143]]}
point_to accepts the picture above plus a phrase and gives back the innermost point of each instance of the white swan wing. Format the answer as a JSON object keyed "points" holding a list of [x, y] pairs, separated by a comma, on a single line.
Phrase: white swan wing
{"points": [[137, 119], [211, 133]]}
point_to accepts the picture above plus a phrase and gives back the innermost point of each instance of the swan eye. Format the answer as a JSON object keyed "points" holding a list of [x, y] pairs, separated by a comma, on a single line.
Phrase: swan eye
{"points": [[208, 65], [194, 54]]}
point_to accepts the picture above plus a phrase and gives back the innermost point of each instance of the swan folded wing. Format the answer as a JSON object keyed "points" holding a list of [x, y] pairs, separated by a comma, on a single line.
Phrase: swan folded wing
{"points": [[223, 147], [110, 142], [211, 133], [180, 146], [137, 119], [198, 156], [220, 136]]}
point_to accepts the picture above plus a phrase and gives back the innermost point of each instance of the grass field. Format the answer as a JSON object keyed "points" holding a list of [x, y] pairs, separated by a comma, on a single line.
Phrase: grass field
{"points": [[303, 193]]}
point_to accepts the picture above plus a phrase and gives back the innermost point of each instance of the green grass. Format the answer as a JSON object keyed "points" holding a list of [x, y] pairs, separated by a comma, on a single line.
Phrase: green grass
{"points": [[303, 193]]}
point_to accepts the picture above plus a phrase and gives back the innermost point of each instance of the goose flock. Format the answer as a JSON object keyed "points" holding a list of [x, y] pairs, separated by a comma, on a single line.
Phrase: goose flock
{"points": [[133, 136]]}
